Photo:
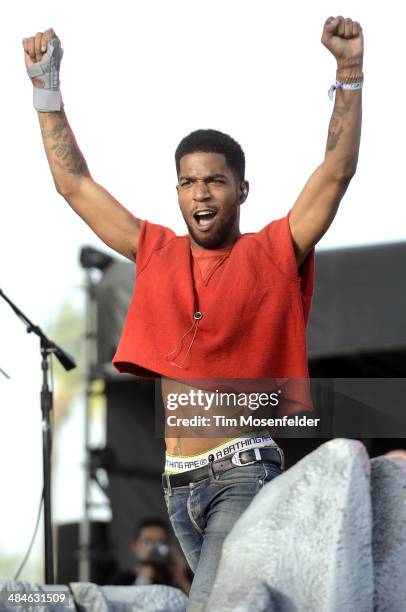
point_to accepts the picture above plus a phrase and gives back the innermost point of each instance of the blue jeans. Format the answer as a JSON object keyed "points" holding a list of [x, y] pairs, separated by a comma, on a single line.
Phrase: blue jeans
{"points": [[203, 513]]}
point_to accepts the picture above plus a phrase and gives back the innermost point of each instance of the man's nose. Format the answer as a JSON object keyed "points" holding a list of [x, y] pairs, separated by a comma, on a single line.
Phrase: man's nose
{"points": [[200, 191]]}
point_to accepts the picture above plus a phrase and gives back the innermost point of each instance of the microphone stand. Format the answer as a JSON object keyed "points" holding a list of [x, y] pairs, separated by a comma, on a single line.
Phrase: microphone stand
{"points": [[47, 347]]}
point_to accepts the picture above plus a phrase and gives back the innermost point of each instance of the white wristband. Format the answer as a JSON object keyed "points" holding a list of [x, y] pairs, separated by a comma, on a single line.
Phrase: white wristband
{"points": [[339, 85]]}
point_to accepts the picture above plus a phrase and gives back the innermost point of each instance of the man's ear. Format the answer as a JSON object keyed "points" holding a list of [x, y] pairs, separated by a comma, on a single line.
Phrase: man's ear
{"points": [[244, 189], [177, 189]]}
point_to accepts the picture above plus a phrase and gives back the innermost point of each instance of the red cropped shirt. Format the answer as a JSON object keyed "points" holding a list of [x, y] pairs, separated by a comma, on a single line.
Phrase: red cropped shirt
{"points": [[245, 320]]}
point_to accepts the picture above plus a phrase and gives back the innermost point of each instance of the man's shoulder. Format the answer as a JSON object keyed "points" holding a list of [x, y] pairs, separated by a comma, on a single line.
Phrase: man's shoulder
{"points": [[150, 228], [154, 235], [155, 238], [273, 230]]}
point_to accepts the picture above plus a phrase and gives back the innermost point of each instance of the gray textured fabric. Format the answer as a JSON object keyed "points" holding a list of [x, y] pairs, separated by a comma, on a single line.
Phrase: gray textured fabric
{"points": [[261, 599], [153, 598], [307, 535], [48, 98], [388, 479], [88, 597], [22, 586]]}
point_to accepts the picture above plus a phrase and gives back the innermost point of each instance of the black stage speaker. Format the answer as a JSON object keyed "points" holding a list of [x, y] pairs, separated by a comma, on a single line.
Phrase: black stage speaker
{"points": [[102, 564], [135, 460]]}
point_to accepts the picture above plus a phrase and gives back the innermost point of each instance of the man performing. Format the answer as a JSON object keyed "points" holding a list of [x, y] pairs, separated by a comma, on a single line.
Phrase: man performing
{"points": [[214, 303]]}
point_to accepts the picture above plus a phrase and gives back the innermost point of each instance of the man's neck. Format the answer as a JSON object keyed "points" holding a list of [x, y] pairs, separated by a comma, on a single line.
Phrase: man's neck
{"points": [[228, 242]]}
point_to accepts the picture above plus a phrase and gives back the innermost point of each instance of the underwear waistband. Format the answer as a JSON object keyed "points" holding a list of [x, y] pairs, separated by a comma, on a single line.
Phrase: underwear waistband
{"points": [[175, 464]]}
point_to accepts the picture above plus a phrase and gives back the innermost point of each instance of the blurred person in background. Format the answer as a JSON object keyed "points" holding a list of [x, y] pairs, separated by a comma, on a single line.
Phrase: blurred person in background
{"points": [[156, 560]]}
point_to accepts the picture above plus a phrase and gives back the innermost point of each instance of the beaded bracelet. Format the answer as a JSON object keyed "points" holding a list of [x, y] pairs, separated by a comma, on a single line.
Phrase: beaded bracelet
{"points": [[353, 78]]}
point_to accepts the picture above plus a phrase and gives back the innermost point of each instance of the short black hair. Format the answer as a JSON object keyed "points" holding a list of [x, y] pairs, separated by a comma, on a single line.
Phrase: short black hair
{"points": [[213, 141], [150, 522]]}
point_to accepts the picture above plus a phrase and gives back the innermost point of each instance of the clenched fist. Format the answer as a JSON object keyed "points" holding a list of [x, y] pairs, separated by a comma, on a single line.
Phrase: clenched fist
{"points": [[343, 37], [36, 46], [43, 54]]}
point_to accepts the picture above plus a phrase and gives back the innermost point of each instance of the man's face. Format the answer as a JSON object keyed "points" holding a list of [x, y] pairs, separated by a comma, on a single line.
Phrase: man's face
{"points": [[148, 539], [209, 197]]}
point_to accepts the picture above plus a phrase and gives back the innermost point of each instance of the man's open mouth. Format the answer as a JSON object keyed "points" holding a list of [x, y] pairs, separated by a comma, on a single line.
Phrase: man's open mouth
{"points": [[205, 219]]}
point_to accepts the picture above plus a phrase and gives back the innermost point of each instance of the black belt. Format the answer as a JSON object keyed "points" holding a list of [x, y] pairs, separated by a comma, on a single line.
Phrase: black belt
{"points": [[242, 457]]}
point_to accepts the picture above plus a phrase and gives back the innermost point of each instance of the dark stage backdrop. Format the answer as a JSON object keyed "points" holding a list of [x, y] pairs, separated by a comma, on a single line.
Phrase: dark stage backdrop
{"points": [[359, 307], [357, 329], [135, 459]]}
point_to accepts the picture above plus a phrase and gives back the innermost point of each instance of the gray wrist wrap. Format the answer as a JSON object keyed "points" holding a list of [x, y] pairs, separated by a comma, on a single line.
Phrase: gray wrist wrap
{"points": [[48, 98]]}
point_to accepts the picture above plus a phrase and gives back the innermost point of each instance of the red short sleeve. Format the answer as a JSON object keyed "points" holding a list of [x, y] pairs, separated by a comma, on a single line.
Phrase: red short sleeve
{"points": [[276, 239], [152, 238]]}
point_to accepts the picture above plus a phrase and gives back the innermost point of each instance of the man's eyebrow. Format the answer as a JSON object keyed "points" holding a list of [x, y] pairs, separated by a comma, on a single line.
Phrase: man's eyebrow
{"points": [[210, 176]]}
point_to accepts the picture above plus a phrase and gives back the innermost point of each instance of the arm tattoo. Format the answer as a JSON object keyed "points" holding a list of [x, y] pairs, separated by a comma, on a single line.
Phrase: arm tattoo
{"points": [[336, 125], [67, 155], [333, 138]]}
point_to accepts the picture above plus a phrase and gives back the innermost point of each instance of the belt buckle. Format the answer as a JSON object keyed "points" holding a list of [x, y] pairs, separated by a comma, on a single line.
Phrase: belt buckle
{"points": [[237, 461]]}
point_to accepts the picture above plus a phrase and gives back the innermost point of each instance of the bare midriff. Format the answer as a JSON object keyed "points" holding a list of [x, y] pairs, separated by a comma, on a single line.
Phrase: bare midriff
{"points": [[185, 447], [181, 445]]}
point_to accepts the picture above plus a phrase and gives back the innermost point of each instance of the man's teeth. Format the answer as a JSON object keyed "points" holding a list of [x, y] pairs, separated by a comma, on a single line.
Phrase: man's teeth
{"points": [[204, 218]]}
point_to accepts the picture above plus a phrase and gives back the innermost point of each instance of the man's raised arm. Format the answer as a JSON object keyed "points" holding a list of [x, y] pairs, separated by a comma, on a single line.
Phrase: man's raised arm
{"points": [[315, 208], [113, 223]]}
